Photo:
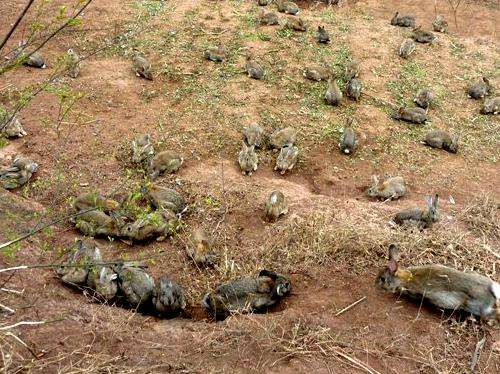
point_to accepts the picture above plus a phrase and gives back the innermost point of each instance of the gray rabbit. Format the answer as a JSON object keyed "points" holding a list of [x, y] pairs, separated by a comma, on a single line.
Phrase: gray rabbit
{"points": [[247, 159], [442, 286], [163, 198], [406, 48], [390, 188], [275, 206], [141, 66], [103, 280], [354, 88], [491, 106], [18, 173], [287, 158], [253, 134], [403, 21], [352, 69], [215, 54], [155, 225], [318, 73], [440, 24], [135, 283], [479, 89], [84, 254], [35, 60], [168, 297], [333, 95], [97, 223], [73, 63], [442, 139], [423, 36], [251, 294], [267, 18], [142, 148], [424, 98], [253, 68], [412, 115], [421, 218], [323, 36], [10, 126], [287, 7], [348, 141]]}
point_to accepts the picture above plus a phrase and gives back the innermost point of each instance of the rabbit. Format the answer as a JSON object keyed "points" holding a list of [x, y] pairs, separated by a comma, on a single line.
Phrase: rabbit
{"points": [[73, 63], [348, 141], [35, 60], [491, 106], [84, 254], [479, 89], [412, 115], [250, 294], [163, 198], [275, 206], [403, 21], [164, 162], [264, 2], [156, 225], [296, 24], [440, 24], [247, 159], [352, 70], [135, 284], [103, 280], [18, 174], [168, 297], [97, 223], [10, 126], [287, 158], [287, 7], [442, 139], [423, 36], [354, 88], [318, 73], [142, 148], [199, 248], [141, 66], [89, 200], [253, 68], [283, 137], [323, 35], [424, 98], [406, 48], [267, 18], [215, 54], [390, 188], [253, 134], [333, 95], [422, 218], [442, 286]]}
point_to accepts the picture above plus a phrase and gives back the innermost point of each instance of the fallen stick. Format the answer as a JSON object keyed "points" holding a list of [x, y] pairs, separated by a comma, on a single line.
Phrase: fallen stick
{"points": [[28, 323], [356, 362], [477, 354], [349, 306], [5, 307]]}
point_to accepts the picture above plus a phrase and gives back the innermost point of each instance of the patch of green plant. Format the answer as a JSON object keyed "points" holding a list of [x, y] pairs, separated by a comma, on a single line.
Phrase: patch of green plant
{"points": [[3, 142]]}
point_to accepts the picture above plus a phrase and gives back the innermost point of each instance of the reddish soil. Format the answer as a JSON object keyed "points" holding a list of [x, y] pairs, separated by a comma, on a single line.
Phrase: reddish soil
{"points": [[198, 109]]}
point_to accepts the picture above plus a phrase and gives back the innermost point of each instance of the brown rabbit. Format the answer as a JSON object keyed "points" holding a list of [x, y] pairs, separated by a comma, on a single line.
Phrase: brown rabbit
{"points": [[165, 162], [163, 198], [253, 68], [479, 89], [423, 36], [251, 294], [135, 284], [333, 95], [141, 66], [348, 141], [406, 48], [354, 88], [155, 225], [215, 54], [287, 158], [85, 253], [318, 73], [323, 36], [424, 98], [403, 21], [288, 7], [10, 126], [412, 115], [421, 218], [491, 106], [168, 297], [440, 24], [97, 223], [283, 137], [275, 206], [199, 248], [442, 286], [390, 188], [89, 200], [247, 159], [352, 70], [296, 24], [267, 18]]}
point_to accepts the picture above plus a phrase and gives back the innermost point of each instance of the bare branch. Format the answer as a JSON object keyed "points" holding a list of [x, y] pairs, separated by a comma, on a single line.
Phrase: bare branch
{"points": [[14, 27]]}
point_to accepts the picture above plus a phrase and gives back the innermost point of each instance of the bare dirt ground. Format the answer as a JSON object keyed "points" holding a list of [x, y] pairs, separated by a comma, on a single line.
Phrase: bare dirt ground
{"points": [[333, 241]]}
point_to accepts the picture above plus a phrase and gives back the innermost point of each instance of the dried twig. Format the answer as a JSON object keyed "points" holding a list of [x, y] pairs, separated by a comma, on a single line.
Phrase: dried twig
{"points": [[5, 307], [350, 306], [356, 362], [16, 24], [477, 354]]}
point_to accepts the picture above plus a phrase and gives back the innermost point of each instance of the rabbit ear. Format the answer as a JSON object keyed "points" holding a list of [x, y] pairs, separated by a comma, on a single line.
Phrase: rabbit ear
{"points": [[393, 252], [393, 266], [268, 273], [102, 275], [375, 179]]}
